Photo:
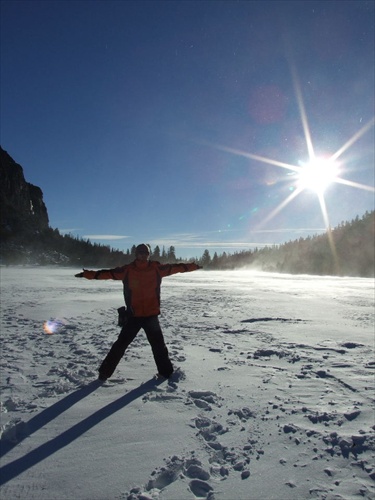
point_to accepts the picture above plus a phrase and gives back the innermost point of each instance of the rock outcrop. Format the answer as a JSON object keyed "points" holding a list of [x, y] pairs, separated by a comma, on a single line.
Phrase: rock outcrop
{"points": [[22, 205], [27, 238]]}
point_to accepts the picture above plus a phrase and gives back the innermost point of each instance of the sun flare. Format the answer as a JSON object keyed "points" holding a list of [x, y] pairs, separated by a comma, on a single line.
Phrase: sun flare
{"points": [[318, 174]]}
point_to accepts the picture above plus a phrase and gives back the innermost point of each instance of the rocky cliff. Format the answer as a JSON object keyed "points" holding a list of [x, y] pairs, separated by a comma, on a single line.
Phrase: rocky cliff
{"points": [[27, 238], [22, 205]]}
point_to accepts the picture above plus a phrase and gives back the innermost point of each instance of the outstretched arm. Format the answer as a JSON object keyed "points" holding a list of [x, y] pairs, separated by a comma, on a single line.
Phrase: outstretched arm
{"points": [[168, 269], [103, 274]]}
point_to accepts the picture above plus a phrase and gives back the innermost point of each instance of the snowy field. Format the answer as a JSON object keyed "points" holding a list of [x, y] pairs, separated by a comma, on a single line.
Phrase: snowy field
{"points": [[272, 397]]}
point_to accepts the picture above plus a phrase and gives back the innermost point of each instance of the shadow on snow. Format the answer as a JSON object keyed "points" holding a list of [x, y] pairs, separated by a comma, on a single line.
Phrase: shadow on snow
{"points": [[35, 456]]}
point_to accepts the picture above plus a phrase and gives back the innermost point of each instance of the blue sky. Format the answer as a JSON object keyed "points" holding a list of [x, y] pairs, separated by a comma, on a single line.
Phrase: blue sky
{"points": [[156, 121]]}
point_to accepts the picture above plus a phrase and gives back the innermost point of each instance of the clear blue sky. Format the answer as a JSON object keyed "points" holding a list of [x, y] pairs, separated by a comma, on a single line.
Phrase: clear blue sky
{"points": [[143, 121]]}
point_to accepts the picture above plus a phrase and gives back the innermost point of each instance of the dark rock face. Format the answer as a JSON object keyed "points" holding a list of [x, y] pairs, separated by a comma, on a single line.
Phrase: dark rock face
{"points": [[22, 205], [25, 235]]}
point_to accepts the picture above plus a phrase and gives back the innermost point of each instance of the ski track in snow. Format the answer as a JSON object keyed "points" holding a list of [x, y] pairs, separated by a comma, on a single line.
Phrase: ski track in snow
{"points": [[263, 381]]}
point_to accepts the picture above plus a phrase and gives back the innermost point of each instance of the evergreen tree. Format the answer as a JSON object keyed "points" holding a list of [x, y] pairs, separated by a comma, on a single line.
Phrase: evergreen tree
{"points": [[206, 259], [215, 261], [156, 253], [132, 252], [171, 254]]}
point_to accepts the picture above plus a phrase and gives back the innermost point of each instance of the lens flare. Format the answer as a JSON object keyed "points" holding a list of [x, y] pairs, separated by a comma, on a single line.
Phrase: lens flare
{"points": [[52, 326]]}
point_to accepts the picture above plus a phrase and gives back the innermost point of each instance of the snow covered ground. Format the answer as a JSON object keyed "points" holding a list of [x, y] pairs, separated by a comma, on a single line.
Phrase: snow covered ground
{"points": [[272, 397]]}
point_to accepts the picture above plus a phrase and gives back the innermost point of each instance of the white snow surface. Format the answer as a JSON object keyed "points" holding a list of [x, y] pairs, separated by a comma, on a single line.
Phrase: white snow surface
{"points": [[272, 397]]}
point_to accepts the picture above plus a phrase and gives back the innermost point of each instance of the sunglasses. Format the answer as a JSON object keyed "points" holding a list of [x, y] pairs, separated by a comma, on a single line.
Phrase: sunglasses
{"points": [[143, 252]]}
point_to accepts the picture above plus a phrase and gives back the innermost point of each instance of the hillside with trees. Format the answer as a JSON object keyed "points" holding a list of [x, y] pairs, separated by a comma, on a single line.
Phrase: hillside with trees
{"points": [[49, 247], [347, 250]]}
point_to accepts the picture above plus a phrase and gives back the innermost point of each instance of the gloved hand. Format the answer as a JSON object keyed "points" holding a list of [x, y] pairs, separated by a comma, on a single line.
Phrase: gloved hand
{"points": [[89, 275], [85, 274]]}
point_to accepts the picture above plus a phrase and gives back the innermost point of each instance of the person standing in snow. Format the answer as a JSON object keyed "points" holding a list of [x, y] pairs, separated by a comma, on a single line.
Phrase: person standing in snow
{"points": [[141, 279]]}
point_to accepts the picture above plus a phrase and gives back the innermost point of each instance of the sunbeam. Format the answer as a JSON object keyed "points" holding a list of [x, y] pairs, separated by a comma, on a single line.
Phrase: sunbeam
{"points": [[302, 112], [252, 156], [282, 205], [329, 232], [338, 180], [353, 139]]}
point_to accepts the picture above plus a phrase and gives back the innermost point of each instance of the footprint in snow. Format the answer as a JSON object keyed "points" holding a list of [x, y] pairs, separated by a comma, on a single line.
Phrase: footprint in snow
{"points": [[203, 399], [176, 468], [200, 489]]}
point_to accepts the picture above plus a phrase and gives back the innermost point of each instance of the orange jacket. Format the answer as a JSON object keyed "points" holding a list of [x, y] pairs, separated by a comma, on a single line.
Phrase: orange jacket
{"points": [[141, 283]]}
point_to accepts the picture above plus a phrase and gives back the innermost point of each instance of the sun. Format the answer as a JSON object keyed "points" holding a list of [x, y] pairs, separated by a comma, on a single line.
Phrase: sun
{"points": [[318, 174]]}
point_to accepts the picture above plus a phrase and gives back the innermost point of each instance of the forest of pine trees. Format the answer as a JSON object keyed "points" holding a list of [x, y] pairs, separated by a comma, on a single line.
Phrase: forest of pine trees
{"points": [[347, 250]]}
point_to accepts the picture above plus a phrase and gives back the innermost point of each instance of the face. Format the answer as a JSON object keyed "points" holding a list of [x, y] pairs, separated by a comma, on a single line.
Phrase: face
{"points": [[142, 255]]}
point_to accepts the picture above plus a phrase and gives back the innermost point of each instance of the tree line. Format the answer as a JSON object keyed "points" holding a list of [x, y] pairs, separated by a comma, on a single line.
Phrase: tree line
{"points": [[347, 250], [50, 247]]}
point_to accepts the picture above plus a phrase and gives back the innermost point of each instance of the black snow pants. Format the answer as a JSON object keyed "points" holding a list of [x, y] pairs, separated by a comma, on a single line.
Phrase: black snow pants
{"points": [[128, 333]]}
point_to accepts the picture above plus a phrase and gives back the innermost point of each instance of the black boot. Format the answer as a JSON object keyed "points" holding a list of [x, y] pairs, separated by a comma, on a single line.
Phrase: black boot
{"points": [[104, 371]]}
